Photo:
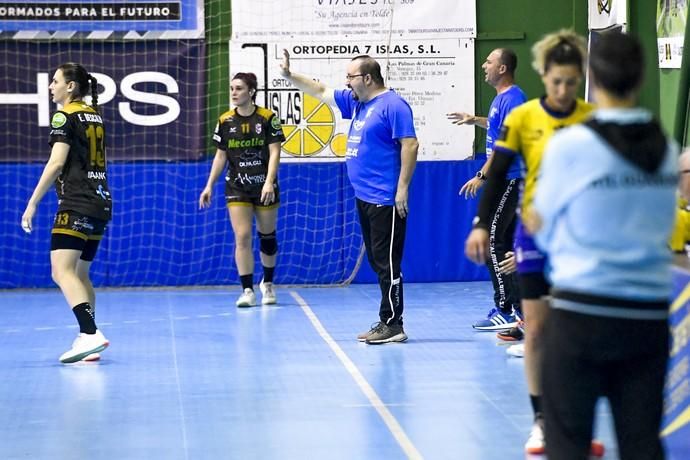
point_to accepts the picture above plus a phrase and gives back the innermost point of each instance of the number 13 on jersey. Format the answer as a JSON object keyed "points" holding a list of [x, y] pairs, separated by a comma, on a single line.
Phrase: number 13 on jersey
{"points": [[95, 134]]}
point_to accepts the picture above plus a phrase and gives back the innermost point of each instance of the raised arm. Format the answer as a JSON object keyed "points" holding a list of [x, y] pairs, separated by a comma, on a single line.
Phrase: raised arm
{"points": [[305, 83]]}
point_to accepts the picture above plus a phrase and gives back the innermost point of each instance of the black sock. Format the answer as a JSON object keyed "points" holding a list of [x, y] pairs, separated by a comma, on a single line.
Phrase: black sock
{"points": [[268, 274], [536, 407], [85, 317], [247, 281]]}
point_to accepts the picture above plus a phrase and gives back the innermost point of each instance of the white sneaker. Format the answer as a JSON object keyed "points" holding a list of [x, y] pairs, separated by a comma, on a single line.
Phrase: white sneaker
{"points": [[517, 350], [247, 298], [268, 294], [84, 345], [535, 442]]}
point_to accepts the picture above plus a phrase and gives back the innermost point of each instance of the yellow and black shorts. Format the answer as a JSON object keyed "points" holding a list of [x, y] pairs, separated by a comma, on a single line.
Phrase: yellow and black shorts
{"points": [[73, 230], [237, 197]]}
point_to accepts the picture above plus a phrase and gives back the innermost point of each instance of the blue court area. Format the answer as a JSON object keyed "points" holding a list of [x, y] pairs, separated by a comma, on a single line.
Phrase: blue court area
{"points": [[190, 376]]}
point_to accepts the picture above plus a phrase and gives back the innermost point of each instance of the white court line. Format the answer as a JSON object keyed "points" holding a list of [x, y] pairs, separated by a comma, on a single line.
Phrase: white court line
{"points": [[354, 406], [185, 445], [509, 419], [390, 421]]}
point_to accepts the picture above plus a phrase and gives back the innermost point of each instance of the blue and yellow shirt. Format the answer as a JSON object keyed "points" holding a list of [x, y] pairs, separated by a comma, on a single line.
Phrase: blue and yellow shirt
{"points": [[526, 131]]}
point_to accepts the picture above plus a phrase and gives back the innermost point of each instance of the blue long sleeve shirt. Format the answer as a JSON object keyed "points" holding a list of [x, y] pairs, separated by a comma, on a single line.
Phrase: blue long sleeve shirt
{"points": [[605, 220]]}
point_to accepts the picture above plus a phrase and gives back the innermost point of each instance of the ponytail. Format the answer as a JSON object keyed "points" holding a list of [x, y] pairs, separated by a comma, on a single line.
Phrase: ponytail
{"points": [[563, 47], [83, 82], [94, 92]]}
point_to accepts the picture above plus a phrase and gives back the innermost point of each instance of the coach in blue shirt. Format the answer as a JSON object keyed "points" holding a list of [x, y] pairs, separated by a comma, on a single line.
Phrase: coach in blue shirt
{"points": [[381, 156], [499, 68]]}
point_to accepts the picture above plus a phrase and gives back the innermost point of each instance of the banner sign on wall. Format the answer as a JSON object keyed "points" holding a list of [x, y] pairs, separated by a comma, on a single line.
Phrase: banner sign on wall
{"points": [[607, 13], [433, 72], [151, 97], [671, 16], [267, 20], [180, 18], [676, 421], [434, 76]]}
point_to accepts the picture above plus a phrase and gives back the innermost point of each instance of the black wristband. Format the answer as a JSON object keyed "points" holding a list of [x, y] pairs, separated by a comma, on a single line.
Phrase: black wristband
{"points": [[477, 223]]}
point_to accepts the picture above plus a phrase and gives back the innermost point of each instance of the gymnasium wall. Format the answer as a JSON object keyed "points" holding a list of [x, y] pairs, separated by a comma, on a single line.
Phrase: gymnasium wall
{"points": [[438, 224]]}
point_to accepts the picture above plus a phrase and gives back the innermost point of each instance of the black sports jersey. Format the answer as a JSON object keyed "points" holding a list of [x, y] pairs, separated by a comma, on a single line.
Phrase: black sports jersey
{"points": [[82, 185], [245, 141]]}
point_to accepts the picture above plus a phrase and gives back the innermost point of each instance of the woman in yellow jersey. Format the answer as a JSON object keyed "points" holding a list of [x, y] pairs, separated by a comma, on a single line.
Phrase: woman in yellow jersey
{"points": [[681, 230], [248, 140], [560, 58], [77, 167]]}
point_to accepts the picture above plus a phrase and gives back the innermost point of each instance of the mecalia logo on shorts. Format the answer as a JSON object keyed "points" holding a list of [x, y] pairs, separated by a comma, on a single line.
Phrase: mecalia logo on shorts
{"points": [[59, 119]]}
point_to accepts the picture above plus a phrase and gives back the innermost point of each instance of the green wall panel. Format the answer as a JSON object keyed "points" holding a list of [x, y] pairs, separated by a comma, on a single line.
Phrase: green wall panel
{"points": [[500, 23], [518, 25], [218, 25]]}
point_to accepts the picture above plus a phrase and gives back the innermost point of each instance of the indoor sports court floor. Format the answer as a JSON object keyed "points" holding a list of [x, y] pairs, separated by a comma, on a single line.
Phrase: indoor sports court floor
{"points": [[190, 376]]}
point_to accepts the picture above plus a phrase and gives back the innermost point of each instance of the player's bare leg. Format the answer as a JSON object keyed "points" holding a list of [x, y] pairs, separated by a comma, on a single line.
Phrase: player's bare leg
{"points": [[241, 218]]}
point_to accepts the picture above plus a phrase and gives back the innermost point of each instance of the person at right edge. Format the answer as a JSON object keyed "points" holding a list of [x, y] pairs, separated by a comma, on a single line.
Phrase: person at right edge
{"points": [[603, 211], [560, 59], [381, 157], [680, 237]]}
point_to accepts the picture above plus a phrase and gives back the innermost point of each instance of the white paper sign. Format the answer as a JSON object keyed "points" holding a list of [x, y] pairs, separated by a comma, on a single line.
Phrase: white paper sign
{"points": [[434, 76]]}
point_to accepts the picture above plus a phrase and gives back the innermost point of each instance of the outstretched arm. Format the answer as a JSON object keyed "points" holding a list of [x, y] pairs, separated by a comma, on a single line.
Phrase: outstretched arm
{"points": [[463, 118], [305, 83]]}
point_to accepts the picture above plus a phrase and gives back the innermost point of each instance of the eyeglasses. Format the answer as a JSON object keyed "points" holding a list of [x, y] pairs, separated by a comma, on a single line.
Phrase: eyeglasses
{"points": [[352, 77]]}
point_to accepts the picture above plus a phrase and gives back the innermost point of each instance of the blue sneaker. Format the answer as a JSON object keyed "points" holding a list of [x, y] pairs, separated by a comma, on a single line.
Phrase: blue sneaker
{"points": [[496, 320]]}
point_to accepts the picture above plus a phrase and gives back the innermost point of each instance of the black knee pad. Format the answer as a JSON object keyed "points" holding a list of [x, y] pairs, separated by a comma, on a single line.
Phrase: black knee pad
{"points": [[268, 243]]}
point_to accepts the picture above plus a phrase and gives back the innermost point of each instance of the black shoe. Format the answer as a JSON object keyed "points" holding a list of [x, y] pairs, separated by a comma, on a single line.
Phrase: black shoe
{"points": [[514, 334]]}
